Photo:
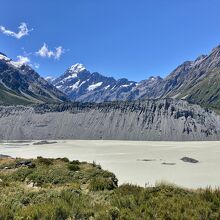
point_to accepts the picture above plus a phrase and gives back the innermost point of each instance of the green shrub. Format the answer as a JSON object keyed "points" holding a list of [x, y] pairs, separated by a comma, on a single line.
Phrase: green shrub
{"points": [[65, 159], [92, 193], [33, 165], [100, 183], [114, 213], [19, 175], [45, 161], [76, 162], [73, 167]]}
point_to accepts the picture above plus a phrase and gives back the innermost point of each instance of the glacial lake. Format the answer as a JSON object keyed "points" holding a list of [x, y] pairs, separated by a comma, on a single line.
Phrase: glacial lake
{"points": [[137, 162]]}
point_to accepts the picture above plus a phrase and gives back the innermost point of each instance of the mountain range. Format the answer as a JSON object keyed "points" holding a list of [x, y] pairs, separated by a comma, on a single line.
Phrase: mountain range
{"points": [[106, 108], [196, 81], [20, 84]]}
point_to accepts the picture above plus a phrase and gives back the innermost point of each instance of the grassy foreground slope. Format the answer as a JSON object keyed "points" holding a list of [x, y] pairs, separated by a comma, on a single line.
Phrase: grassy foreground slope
{"points": [[62, 189]]}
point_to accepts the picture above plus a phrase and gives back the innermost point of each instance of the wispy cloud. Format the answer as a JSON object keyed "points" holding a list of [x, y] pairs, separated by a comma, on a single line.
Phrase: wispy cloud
{"points": [[45, 52], [23, 31]]}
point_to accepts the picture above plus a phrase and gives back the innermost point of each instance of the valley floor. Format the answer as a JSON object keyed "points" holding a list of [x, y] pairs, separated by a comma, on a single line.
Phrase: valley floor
{"points": [[142, 163]]}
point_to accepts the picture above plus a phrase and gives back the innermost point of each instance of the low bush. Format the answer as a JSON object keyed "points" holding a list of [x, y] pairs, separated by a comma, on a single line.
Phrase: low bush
{"points": [[65, 159], [73, 167], [76, 162], [100, 183], [45, 161]]}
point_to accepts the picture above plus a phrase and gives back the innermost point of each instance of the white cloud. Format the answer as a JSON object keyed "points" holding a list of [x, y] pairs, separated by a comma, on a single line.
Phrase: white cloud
{"points": [[23, 60], [58, 53], [23, 31], [45, 52]]}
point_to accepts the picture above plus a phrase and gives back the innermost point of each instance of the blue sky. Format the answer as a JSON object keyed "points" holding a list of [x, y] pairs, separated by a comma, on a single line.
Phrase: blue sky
{"points": [[120, 38]]}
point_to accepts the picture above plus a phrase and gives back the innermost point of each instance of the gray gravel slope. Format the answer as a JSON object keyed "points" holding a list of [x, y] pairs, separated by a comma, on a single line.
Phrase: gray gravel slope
{"points": [[138, 120]]}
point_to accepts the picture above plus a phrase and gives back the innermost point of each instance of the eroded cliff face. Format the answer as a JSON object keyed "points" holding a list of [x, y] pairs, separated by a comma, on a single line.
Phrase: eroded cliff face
{"points": [[137, 120]]}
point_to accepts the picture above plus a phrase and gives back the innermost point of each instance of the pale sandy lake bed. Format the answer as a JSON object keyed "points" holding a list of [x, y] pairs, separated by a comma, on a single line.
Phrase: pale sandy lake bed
{"points": [[124, 158]]}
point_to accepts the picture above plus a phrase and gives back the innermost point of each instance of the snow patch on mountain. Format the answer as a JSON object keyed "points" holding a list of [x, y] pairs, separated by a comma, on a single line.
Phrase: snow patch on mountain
{"points": [[16, 64], [124, 85], [4, 57], [74, 75], [94, 86], [106, 87], [75, 86], [77, 68]]}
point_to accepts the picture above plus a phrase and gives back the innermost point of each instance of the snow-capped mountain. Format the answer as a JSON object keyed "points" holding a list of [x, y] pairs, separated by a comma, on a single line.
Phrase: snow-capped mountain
{"points": [[197, 81], [82, 85]]}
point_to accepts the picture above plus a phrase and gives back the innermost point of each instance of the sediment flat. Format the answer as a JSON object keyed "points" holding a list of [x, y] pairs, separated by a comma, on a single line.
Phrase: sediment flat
{"points": [[137, 162]]}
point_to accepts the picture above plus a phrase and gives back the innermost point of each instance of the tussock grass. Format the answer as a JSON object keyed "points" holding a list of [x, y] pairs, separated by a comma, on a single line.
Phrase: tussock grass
{"points": [[52, 189]]}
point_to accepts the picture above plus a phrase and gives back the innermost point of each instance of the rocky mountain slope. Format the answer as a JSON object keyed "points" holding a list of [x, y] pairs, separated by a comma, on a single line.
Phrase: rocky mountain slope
{"points": [[196, 81], [20, 84], [82, 85], [136, 120]]}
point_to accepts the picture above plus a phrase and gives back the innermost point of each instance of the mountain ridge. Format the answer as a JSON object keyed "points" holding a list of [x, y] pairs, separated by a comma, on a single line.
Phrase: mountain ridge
{"points": [[190, 81], [20, 84]]}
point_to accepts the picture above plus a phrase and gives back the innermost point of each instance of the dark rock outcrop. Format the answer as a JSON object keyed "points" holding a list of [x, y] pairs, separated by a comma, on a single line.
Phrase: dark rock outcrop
{"points": [[25, 163], [189, 160], [44, 142]]}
